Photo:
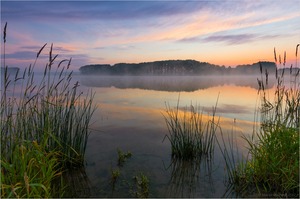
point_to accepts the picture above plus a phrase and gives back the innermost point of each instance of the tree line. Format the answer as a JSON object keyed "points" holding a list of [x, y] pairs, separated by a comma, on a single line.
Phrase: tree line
{"points": [[176, 67]]}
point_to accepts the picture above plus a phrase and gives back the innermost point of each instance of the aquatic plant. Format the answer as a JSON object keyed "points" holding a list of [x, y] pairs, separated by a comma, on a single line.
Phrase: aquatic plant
{"points": [[115, 174], [123, 156], [273, 166], [44, 126], [30, 172], [275, 151], [189, 135], [142, 186], [51, 110]]}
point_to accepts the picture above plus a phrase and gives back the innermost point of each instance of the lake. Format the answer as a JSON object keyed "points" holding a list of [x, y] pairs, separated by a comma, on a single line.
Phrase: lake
{"points": [[130, 117]]}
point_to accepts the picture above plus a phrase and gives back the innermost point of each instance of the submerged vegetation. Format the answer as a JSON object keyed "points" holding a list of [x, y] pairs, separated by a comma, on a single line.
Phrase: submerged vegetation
{"points": [[44, 127], [142, 186], [136, 186], [122, 157]]}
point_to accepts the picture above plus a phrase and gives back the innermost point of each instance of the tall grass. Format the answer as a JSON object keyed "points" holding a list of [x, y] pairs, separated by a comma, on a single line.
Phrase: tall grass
{"points": [[52, 109], [275, 153], [189, 136], [284, 109], [273, 166], [30, 172], [44, 120]]}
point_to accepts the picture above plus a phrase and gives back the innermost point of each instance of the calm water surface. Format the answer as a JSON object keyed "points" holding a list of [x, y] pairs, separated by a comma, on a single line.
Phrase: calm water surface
{"points": [[130, 117]]}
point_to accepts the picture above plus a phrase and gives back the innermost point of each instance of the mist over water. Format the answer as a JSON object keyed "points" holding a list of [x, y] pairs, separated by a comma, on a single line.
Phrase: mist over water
{"points": [[171, 83]]}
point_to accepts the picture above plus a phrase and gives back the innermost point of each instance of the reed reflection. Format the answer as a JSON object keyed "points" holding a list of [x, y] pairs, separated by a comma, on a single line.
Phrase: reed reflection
{"points": [[79, 184], [186, 176]]}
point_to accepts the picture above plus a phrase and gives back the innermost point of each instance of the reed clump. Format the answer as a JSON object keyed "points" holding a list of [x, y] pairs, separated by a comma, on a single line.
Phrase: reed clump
{"points": [[52, 109], [45, 120], [273, 167], [190, 137]]}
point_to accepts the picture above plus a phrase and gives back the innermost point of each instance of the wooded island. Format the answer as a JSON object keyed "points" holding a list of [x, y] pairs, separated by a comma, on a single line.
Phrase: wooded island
{"points": [[176, 67]]}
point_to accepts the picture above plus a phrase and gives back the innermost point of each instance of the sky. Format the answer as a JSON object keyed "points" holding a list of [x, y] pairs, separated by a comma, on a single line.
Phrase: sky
{"points": [[222, 32]]}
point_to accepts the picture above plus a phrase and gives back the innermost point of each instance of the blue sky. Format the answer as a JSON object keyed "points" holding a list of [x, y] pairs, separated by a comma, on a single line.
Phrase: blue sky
{"points": [[220, 32]]}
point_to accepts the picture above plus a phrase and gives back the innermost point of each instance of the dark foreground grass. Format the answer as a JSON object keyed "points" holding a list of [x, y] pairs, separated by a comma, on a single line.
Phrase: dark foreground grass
{"points": [[44, 127], [273, 167]]}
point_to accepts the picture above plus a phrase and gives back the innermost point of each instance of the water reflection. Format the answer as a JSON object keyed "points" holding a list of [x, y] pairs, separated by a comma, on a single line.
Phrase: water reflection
{"points": [[130, 118], [77, 183], [171, 83], [187, 175]]}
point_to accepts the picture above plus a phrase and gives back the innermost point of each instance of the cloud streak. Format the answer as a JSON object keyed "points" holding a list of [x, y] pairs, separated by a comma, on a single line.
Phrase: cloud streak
{"points": [[237, 39], [228, 39], [23, 55], [97, 10], [36, 48], [231, 39]]}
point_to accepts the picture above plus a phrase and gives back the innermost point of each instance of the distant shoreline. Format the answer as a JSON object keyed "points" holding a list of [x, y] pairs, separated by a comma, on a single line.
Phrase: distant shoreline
{"points": [[177, 67]]}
